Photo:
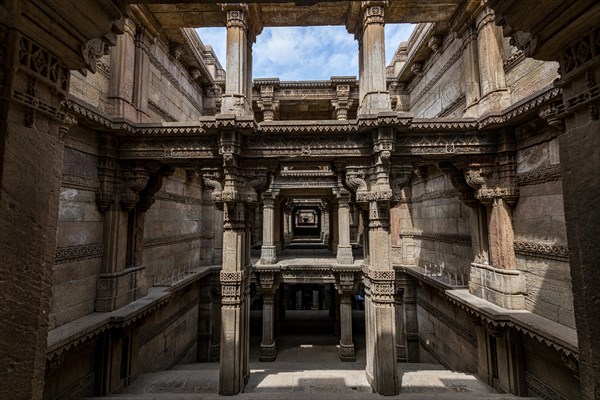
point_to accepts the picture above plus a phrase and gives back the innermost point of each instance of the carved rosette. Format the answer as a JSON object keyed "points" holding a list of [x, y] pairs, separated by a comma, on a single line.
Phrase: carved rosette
{"points": [[238, 17], [374, 13]]}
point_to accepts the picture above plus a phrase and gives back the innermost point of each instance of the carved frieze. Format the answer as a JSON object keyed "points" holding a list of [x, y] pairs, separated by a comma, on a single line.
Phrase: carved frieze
{"points": [[79, 182], [539, 176], [543, 250], [75, 253]]}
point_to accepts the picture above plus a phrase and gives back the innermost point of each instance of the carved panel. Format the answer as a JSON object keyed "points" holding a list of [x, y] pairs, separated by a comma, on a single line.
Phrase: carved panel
{"points": [[543, 250], [74, 253], [80, 182], [540, 175]]}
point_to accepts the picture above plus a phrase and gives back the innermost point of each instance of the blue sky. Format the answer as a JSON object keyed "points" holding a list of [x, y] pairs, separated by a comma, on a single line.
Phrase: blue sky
{"points": [[305, 53]]}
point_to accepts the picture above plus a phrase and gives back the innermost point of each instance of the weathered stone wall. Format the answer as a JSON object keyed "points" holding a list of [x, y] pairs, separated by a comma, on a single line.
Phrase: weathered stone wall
{"points": [[439, 91], [80, 232], [172, 93], [445, 331], [540, 232], [175, 240], [527, 76], [163, 91], [433, 228]]}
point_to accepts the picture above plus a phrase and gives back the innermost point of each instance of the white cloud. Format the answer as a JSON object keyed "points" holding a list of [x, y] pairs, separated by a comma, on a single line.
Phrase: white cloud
{"points": [[305, 53]]}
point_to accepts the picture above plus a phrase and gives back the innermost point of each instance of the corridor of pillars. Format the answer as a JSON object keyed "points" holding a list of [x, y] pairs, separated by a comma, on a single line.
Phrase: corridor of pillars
{"points": [[296, 311]]}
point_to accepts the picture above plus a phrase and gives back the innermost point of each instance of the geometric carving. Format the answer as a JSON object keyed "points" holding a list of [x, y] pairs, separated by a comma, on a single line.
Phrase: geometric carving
{"points": [[543, 250], [540, 175], [72, 253]]}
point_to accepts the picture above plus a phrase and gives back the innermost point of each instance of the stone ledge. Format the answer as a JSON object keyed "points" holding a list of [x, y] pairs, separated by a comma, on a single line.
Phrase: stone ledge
{"points": [[552, 333], [503, 287], [79, 331]]}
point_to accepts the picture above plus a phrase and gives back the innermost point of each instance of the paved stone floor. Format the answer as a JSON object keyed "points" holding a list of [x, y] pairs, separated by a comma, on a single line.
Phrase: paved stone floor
{"points": [[307, 367]]}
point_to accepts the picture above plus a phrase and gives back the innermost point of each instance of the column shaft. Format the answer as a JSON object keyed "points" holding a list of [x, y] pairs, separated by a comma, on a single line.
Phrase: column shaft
{"points": [[268, 350], [234, 366], [344, 248], [374, 96], [268, 253], [346, 343]]}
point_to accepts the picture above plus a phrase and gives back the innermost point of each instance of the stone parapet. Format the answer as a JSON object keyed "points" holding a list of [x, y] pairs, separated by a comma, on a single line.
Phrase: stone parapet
{"points": [[505, 288]]}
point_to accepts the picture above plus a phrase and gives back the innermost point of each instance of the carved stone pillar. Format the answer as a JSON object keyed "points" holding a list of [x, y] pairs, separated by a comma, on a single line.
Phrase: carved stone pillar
{"points": [[268, 252], [374, 96], [234, 367], [122, 78], [334, 227], [345, 286], [400, 335], [410, 328], [215, 321], [494, 93], [267, 104], [237, 98], [342, 102], [471, 71], [277, 227], [143, 41], [268, 351], [380, 316], [344, 248]]}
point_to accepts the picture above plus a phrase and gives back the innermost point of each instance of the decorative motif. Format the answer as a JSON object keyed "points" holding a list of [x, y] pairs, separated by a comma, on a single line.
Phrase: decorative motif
{"points": [[539, 176], [80, 182], [75, 253], [543, 250], [514, 59], [43, 65], [580, 52]]}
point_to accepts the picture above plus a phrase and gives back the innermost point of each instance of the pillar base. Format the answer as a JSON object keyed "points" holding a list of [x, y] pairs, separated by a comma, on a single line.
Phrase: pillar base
{"points": [[376, 102], [502, 287], [268, 255], [268, 352], [344, 255], [347, 353], [236, 104]]}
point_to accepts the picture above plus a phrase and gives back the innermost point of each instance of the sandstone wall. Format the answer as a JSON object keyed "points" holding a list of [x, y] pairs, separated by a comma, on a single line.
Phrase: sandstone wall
{"points": [[433, 228], [445, 331], [177, 236], [80, 232], [540, 232], [439, 91]]}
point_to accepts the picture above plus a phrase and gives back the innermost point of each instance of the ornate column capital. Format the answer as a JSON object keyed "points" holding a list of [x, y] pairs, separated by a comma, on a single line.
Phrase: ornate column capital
{"points": [[373, 12]]}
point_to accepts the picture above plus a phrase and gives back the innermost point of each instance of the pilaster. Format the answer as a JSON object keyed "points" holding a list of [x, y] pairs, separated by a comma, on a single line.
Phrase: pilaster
{"points": [[268, 252]]}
